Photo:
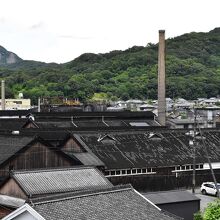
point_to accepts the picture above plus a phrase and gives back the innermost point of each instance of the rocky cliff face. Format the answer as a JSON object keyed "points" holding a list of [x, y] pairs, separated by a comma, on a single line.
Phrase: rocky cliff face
{"points": [[7, 57]]}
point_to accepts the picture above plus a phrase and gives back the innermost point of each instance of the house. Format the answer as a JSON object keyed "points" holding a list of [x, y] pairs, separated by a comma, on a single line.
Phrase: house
{"points": [[159, 159], [209, 115], [187, 123], [43, 182], [122, 202], [15, 113], [179, 202], [13, 124], [28, 152], [92, 119], [14, 104], [75, 120]]}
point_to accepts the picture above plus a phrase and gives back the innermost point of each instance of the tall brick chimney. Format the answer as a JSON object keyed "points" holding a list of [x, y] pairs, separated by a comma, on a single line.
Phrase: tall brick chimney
{"points": [[161, 79]]}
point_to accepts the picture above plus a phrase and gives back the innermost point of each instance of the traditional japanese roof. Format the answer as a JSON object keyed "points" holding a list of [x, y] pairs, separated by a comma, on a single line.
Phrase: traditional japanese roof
{"points": [[15, 113], [94, 119], [125, 114], [122, 203], [172, 196], [39, 182], [85, 158], [130, 149], [11, 144], [12, 123]]}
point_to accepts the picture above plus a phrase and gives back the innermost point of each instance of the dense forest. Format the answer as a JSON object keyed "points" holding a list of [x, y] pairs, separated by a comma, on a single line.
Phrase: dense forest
{"points": [[192, 71]]}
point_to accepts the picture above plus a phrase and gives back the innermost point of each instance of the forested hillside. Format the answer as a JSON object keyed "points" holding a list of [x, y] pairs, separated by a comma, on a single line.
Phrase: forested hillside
{"points": [[192, 68]]}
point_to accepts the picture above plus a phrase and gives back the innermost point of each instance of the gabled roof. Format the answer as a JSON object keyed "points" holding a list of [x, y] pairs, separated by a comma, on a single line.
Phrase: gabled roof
{"points": [[25, 211], [121, 203], [11, 144], [39, 182], [135, 149], [172, 196]]}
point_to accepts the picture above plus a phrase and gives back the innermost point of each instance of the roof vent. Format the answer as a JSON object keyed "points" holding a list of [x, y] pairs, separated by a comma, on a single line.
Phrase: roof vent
{"points": [[154, 136], [106, 137]]}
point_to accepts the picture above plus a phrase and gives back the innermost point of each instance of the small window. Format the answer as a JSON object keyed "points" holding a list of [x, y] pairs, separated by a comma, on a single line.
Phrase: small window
{"points": [[210, 186], [183, 167], [197, 166], [123, 172], [191, 167], [128, 171], [112, 173], [134, 171], [107, 173], [149, 170], [178, 168], [118, 172], [144, 170], [201, 166], [187, 167], [138, 170]]}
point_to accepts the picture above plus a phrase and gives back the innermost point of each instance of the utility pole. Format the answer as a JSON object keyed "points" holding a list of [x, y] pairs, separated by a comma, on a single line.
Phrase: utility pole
{"points": [[194, 152], [209, 162], [193, 144]]}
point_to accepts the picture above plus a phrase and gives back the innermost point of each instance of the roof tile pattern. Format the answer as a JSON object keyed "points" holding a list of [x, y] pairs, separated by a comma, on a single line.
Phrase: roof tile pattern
{"points": [[60, 180], [124, 204], [9, 145], [140, 149]]}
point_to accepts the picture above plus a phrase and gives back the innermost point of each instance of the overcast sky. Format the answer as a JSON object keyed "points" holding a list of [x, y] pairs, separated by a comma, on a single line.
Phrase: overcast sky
{"points": [[61, 30]]}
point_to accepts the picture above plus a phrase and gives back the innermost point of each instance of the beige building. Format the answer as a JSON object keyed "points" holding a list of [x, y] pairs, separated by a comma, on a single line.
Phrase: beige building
{"points": [[17, 104]]}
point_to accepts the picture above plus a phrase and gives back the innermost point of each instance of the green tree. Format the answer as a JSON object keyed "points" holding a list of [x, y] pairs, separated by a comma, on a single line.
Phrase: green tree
{"points": [[212, 212]]}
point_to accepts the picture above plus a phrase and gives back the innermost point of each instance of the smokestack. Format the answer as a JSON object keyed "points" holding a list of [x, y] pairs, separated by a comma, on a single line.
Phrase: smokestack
{"points": [[161, 79], [3, 94]]}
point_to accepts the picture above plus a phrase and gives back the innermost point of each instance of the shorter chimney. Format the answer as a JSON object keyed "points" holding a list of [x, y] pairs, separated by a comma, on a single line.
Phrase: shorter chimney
{"points": [[3, 95]]}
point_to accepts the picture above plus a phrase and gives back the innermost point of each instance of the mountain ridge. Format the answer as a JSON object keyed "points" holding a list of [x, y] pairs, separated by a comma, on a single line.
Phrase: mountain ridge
{"points": [[192, 70]]}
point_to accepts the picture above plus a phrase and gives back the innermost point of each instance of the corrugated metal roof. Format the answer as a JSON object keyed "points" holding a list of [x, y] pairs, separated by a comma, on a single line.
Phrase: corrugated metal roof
{"points": [[170, 196], [10, 201], [60, 180], [115, 203]]}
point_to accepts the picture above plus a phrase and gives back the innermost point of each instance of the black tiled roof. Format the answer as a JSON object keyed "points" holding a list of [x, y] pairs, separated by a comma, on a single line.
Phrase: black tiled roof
{"points": [[139, 149], [6, 113], [11, 144], [93, 123], [85, 158], [12, 123], [39, 182], [126, 114], [121, 203]]}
